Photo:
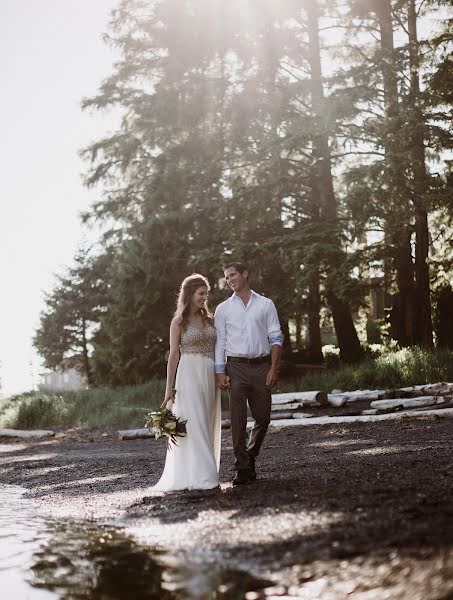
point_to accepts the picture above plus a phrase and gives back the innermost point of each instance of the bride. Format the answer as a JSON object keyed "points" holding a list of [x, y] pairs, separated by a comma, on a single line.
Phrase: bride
{"points": [[193, 464]]}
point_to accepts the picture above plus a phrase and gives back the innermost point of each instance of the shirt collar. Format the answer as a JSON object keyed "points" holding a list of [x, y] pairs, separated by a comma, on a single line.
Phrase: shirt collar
{"points": [[234, 296]]}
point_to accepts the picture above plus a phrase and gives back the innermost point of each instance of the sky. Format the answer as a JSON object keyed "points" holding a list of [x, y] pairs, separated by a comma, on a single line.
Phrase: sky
{"points": [[51, 56]]}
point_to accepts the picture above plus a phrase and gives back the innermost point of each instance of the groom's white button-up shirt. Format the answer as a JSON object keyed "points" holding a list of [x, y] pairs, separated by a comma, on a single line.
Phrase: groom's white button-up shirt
{"points": [[245, 330]]}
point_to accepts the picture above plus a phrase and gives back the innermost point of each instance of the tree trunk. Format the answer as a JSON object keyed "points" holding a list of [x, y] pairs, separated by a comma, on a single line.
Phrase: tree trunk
{"points": [[400, 231], [286, 349], [424, 325], [424, 329], [86, 359], [405, 282], [314, 329], [348, 342], [324, 196]]}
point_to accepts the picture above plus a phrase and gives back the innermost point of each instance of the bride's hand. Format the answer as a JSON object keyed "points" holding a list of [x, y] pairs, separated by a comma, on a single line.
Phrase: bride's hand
{"points": [[169, 397]]}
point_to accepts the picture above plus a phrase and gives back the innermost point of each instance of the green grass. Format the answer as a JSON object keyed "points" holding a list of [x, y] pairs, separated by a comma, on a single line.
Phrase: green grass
{"points": [[126, 407], [400, 368], [97, 407]]}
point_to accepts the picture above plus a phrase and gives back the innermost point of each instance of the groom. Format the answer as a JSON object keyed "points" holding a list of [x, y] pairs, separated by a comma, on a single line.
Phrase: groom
{"points": [[250, 340]]}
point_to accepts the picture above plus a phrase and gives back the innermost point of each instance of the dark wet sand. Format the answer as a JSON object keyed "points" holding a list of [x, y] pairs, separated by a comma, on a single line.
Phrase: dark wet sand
{"points": [[361, 511]]}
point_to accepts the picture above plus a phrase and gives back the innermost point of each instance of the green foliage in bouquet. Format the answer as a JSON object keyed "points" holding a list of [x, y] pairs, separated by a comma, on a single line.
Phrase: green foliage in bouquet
{"points": [[164, 423]]}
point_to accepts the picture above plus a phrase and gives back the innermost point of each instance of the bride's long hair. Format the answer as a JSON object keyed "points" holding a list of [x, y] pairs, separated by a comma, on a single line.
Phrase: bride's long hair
{"points": [[188, 287]]}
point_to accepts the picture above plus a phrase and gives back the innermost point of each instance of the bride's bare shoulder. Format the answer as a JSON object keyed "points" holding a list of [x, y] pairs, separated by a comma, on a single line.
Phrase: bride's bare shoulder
{"points": [[176, 322]]}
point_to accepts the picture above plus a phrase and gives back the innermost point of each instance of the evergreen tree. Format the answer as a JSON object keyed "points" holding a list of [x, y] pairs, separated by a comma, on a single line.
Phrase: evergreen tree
{"points": [[393, 122], [235, 144], [73, 309]]}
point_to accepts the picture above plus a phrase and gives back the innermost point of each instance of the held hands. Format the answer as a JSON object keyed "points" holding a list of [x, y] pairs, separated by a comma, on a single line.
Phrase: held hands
{"points": [[223, 381], [272, 377]]}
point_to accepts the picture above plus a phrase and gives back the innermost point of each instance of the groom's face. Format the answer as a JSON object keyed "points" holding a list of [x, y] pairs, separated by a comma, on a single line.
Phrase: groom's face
{"points": [[235, 280]]}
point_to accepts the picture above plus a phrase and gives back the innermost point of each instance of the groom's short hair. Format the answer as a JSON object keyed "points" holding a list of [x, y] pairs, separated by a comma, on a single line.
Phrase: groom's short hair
{"points": [[239, 266]]}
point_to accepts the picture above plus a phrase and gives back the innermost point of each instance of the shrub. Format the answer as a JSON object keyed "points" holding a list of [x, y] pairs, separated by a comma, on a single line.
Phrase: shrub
{"points": [[392, 369]]}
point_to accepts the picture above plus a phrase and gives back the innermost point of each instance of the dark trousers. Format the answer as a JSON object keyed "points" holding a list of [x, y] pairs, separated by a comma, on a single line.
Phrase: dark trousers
{"points": [[248, 383]]}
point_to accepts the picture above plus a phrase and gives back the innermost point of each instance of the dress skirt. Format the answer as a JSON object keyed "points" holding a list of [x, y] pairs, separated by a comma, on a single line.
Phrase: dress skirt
{"points": [[193, 464]]}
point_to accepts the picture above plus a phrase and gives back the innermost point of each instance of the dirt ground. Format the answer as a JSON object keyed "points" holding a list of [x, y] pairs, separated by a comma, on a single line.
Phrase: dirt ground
{"points": [[361, 511]]}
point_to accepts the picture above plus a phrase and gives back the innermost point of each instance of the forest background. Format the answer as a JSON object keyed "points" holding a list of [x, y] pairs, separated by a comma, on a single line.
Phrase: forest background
{"points": [[309, 138]]}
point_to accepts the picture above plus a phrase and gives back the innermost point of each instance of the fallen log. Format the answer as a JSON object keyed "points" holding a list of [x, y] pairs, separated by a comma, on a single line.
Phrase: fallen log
{"points": [[302, 415], [288, 406], [34, 434], [135, 434], [433, 389], [422, 414], [281, 415], [341, 398], [337, 400], [382, 411], [389, 409], [313, 398], [439, 406], [407, 402]]}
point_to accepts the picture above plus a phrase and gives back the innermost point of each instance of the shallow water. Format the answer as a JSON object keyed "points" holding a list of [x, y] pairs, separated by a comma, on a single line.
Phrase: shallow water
{"points": [[42, 558]]}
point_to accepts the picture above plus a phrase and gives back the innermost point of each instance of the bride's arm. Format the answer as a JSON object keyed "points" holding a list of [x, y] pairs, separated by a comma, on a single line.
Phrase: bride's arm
{"points": [[173, 357]]}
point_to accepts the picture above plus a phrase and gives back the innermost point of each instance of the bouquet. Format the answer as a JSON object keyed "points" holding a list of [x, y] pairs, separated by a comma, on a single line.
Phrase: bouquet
{"points": [[165, 424]]}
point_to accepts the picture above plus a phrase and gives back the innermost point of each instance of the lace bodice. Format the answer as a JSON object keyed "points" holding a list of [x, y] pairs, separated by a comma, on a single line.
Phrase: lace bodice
{"points": [[196, 340]]}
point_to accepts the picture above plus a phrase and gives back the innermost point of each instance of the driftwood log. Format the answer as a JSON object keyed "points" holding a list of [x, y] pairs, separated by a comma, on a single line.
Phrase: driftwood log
{"points": [[17, 433], [134, 434], [314, 398], [407, 402]]}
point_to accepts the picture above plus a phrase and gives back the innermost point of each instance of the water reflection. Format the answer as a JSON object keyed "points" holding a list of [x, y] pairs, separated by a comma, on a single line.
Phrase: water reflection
{"points": [[86, 561], [43, 558]]}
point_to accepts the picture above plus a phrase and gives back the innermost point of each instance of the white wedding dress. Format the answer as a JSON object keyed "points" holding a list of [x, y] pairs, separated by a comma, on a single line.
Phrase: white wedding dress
{"points": [[193, 464]]}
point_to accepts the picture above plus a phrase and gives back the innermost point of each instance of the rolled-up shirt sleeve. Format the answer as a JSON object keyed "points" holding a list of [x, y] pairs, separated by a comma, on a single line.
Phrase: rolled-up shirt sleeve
{"points": [[220, 344], [274, 332]]}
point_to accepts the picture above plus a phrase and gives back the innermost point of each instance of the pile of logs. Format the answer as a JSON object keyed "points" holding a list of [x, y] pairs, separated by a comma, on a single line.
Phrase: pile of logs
{"points": [[437, 396], [303, 408]]}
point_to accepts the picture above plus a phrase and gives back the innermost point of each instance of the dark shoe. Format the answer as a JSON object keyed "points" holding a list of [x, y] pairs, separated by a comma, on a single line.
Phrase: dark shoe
{"points": [[243, 477], [252, 467]]}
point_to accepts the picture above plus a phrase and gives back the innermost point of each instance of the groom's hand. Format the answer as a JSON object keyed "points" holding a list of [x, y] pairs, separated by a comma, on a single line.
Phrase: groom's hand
{"points": [[272, 377], [223, 381]]}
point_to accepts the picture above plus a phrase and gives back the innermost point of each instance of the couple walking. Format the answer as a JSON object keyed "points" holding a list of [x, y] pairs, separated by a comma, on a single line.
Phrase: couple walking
{"points": [[237, 350]]}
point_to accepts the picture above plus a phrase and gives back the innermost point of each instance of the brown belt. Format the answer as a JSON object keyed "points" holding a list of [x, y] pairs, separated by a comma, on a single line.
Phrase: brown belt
{"points": [[250, 361]]}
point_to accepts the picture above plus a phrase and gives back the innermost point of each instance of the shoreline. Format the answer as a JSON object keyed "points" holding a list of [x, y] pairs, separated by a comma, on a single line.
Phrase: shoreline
{"points": [[333, 504]]}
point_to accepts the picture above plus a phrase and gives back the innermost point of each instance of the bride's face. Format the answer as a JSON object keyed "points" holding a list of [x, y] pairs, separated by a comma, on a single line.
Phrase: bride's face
{"points": [[199, 298]]}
